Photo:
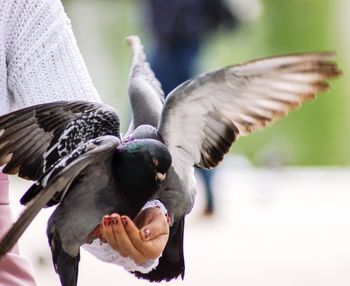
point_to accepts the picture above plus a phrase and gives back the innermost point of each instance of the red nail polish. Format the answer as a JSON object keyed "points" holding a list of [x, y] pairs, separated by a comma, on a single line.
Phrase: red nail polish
{"points": [[114, 220], [147, 233], [107, 221], [124, 221]]}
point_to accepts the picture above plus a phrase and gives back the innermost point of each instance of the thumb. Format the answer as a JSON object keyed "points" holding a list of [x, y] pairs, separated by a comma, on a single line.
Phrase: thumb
{"points": [[156, 227]]}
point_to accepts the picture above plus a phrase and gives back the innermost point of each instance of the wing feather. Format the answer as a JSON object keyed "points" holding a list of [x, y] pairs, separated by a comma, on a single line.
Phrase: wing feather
{"points": [[58, 180], [145, 91], [206, 114], [27, 134]]}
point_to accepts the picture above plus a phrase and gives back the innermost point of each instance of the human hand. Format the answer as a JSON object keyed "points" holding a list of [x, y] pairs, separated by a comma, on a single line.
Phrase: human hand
{"points": [[143, 239]]}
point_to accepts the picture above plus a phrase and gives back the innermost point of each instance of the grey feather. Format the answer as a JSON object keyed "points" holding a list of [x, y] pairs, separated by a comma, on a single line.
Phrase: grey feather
{"points": [[145, 92], [249, 97], [205, 115], [74, 152], [28, 133], [198, 123], [244, 98], [59, 183]]}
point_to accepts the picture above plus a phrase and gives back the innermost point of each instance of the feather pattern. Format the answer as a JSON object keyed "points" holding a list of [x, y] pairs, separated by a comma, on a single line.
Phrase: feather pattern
{"points": [[145, 92], [203, 117], [51, 183], [34, 138], [54, 144], [215, 108]]}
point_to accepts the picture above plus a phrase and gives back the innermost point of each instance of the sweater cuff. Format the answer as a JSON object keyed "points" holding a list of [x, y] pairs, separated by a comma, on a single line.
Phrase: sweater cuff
{"points": [[157, 204], [106, 253]]}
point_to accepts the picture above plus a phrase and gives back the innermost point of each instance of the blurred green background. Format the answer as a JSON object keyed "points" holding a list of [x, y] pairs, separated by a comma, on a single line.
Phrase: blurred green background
{"points": [[317, 134]]}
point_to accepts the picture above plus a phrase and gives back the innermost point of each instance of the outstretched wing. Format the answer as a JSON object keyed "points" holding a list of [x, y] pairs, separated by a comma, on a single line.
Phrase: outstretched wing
{"points": [[145, 91], [34, 138], [205, 115], [58, 181]]}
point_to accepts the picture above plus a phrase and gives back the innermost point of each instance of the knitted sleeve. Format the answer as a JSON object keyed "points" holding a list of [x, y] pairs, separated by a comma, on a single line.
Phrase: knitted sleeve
{"points": [[43, 60]]}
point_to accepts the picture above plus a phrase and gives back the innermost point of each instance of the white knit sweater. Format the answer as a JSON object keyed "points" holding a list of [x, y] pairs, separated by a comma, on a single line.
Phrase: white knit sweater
{"points": [[40, 62], [39, 58]]}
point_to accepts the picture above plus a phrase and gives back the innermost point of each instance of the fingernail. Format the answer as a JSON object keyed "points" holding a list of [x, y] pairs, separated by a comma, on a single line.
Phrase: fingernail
{"points": [[107, 221], [114, 220], [147, 232], [124, 221]]}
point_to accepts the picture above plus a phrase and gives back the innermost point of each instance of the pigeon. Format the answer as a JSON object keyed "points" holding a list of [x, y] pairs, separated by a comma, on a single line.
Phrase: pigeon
{"points": [[75, 154], [201, 118], [197, 123]]}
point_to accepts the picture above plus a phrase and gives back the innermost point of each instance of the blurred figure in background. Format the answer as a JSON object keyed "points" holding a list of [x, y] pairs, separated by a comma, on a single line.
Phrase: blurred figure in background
{"points": [[179, 29]]}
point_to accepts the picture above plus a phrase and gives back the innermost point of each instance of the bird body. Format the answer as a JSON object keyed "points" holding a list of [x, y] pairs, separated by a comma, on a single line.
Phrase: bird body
{"points": [[74, 152], [202, 117], [125, 181]]}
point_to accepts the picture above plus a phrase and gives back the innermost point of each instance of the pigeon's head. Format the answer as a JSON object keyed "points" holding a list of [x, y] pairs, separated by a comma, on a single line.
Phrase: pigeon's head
{"points": [[141, 166]]}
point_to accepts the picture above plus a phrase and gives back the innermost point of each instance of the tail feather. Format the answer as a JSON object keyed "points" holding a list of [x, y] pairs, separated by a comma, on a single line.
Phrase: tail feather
{"points": [[65, 265], [27, 216]]}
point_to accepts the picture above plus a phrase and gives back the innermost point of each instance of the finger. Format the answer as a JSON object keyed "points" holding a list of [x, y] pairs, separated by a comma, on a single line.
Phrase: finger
{"points": [[155, 243], [149, 221], [122, 231], [149, 249], [156, 235], [154, 248], [108, 232], [157, 226], [102, 238], [147, 215], [134, 235]]}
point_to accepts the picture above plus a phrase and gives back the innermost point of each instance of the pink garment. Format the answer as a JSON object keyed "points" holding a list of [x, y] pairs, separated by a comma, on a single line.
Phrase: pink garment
{"points": [[15, 270]]}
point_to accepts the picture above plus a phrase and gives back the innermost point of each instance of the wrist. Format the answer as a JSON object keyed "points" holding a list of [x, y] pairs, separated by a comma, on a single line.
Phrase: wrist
{"points": [[156, 204]]}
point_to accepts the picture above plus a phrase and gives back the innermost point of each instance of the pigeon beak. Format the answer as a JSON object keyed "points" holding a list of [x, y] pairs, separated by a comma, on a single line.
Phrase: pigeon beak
{"points": [[160, 177]]}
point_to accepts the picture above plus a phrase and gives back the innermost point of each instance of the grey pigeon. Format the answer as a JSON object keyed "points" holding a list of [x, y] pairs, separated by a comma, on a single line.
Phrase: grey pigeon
{"points": [[204, 116], [74, 152], [198, 122]]}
